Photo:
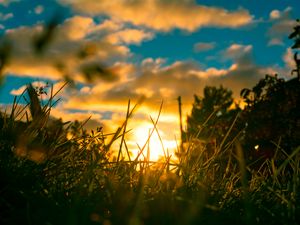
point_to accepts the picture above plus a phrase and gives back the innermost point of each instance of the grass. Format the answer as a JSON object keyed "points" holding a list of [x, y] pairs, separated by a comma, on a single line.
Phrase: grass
{"points": [[61, 174]]}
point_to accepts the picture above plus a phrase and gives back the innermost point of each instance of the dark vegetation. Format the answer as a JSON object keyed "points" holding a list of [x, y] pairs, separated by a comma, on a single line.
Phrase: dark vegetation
{"points": [[237, 166]]}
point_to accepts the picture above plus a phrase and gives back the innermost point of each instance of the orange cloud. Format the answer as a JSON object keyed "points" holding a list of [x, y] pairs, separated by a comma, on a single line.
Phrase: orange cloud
{"points": [[129, 36], [156, 83], [76, 28], [69, 50], [22, 89], [275, 14], [164, 15]]}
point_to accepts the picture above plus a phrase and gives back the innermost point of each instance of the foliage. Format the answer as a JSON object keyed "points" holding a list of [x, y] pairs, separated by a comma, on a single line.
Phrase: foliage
{"points": [[212, 114], [272, 116], [296, 35]]}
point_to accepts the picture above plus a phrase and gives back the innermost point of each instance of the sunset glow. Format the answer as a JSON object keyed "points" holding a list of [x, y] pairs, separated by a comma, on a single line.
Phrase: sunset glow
{"points": [[157, 145], [114, 53], [148, 112]]}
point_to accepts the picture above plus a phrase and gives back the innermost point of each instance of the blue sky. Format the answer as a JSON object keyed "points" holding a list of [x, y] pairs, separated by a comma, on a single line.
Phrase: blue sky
{"points": [[157, 49]]}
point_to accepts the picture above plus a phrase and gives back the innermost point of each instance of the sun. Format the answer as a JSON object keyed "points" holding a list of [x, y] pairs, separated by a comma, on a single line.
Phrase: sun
{"points": [[157, 145]]}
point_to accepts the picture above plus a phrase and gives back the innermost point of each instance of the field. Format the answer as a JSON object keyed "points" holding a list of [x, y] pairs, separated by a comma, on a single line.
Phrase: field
{"points": [[233, 164], [55, 173]]}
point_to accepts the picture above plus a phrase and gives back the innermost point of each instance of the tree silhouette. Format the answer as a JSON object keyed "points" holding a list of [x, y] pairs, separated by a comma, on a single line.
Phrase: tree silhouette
{"points": [[295, 35], [271, 117], [211, 115], [271, 114]]}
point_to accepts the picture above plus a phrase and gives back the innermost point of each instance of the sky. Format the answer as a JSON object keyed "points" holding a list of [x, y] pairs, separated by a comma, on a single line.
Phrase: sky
{"points": [[155, 51]]}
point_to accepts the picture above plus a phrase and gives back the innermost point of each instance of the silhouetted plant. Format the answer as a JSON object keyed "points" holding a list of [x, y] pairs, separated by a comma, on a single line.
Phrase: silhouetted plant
{"points": [[211, 115], [295, 35], [271, 114]]}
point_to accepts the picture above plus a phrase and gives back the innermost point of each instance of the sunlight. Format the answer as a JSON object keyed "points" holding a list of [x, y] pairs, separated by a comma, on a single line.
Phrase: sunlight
{"points": [[157, 148]]}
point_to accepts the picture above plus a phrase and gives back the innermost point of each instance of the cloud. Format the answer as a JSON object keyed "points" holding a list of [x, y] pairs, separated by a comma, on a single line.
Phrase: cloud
{"points": [[282, 26], [22, 89], [78, 43], [276, 41], [39, 9], [85, 90], [204, 46], [288, 58], [7, 2], [164, 15], [155, 82], [118, 33], [4, 17], [152, 64], [110, 26], [237, 51], [75, 28], [18, 91], [275, 14], [129, 36]]}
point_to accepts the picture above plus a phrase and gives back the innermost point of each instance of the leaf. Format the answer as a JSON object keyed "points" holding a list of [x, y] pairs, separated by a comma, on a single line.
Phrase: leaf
{"points": [[294, 34], [245, 93], [297, 44], [35, 107]]}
